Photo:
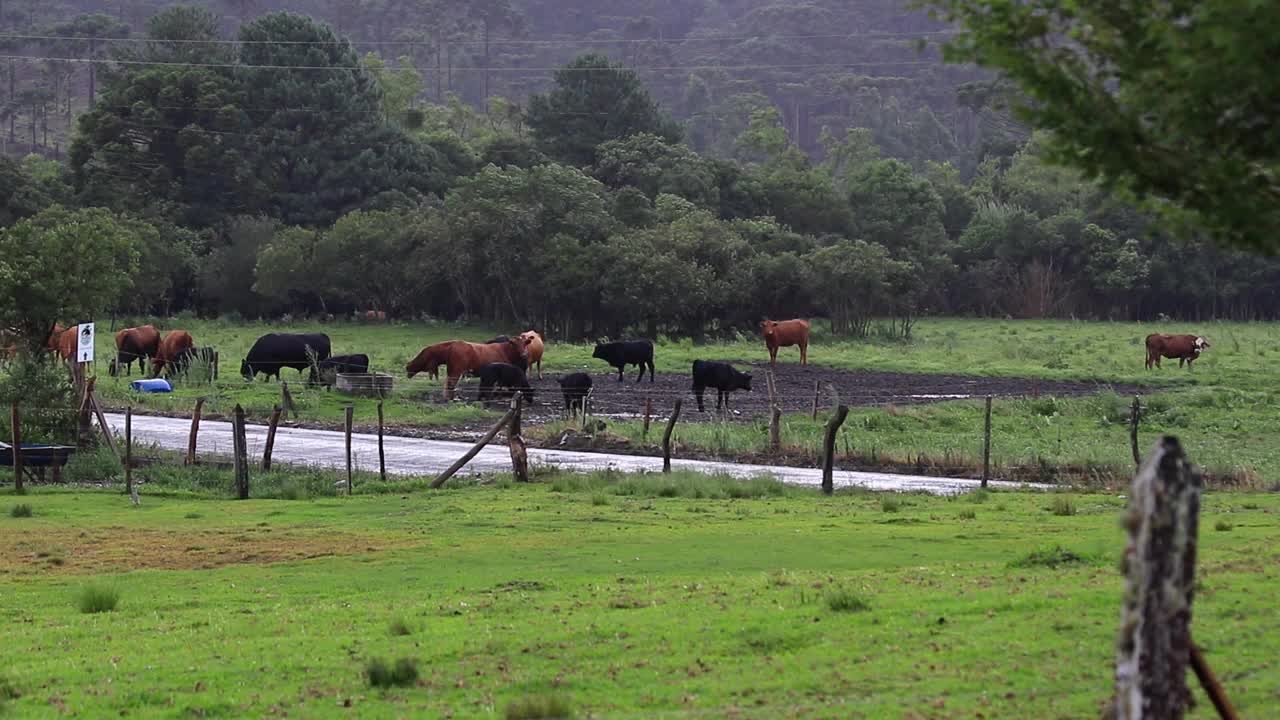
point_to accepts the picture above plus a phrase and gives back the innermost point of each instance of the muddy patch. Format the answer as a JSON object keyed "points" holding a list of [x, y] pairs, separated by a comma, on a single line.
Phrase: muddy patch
{"points": [[118, 549]]}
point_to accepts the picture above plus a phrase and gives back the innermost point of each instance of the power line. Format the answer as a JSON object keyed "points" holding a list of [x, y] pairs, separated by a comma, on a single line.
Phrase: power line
{"points": [[505, 41]]}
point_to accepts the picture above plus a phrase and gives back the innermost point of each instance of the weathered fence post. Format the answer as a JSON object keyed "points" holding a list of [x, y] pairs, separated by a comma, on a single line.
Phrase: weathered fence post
{"points": [[775, 413], [1159, 565], [666, 436], [241, 449], [271, 438], [986, 444], [195, 431], [349, 416], [586, 407], [382, 456], [213, 376], [16, 437], [1135, 414], [816, 393], [829, 449], [102, 422], [286, 400], [128, 449], [475, 450], [519, 455], [84, 419], [648, 413]]}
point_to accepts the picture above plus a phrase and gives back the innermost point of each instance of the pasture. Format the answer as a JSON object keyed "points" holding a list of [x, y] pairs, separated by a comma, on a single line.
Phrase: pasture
{"points": [[1083, 373], [621, 597]]}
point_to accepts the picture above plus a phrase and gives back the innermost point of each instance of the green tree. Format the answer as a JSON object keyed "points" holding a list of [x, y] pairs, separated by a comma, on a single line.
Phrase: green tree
{"points": [[594, 101], [1173, 104], [654, 166], [853, 282], [20, 196], [64, 265]]}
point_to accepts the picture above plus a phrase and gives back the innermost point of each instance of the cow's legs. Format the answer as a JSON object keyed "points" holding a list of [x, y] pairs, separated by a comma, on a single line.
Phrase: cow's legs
{"points": [[539, 369], [804, 353], [620, 369], [697, 393], [641, 375], [651, 372]]}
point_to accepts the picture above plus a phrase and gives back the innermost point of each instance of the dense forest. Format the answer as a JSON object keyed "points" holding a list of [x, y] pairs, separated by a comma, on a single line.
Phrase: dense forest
{"points": [[660, 167]]}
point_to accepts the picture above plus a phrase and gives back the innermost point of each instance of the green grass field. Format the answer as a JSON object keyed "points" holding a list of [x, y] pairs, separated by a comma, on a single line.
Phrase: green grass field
{"points": [[1223, 411], [620, 597]]}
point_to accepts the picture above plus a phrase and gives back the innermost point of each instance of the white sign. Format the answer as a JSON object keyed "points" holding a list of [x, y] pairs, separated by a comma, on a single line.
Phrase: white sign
{"points": [[84, 347]]}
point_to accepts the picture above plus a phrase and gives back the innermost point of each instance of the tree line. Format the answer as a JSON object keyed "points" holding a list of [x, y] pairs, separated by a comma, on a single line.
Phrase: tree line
{"points": [[290, 174]]}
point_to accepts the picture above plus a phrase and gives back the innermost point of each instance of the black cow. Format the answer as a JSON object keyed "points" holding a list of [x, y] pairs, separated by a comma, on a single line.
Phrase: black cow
{"points": [[503, 375], [349, 364], [722, 377], [575, 387], [628, 352], [272, 352]]}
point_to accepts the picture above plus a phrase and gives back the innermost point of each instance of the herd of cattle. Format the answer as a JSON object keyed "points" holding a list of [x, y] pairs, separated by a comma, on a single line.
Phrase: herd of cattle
{"points": [[500, 363]]}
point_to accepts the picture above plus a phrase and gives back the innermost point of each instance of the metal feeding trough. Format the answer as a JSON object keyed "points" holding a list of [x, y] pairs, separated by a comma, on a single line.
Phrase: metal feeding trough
{"points": [[375, 384]]}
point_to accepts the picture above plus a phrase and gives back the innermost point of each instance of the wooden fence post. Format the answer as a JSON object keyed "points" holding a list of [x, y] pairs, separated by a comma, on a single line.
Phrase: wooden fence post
{"points": [[666, 436], [213, 376], [271, 438], [519, 455], [586, 407], [475, 450], [829, 449], [195, 431], [775, 413], [128, 449], [648, 413], [349, 413], [84, 419], [241, 453], [986, 444], [1135, 414], [102, 423], [16, 428], [1159, 565], [382, 457], [815, 399], [286, 400]]}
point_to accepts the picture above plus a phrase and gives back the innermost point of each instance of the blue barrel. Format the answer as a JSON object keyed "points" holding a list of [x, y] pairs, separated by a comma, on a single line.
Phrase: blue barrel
{"points": [[153, 385]]}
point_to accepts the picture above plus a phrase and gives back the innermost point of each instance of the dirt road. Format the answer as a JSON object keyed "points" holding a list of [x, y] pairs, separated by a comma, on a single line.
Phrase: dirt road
{"points": [[419, 457]]}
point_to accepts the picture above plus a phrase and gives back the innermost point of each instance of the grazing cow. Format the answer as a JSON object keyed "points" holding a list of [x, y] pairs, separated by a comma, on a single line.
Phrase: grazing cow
{"points": [[628, 352], [64, 343], [534, 342], [1186, 348], [784, 333], [721, 376], [135, 344], [461, 358], [575, 387], [346, 364], [176, 349], [503, 375], [274, 351]]}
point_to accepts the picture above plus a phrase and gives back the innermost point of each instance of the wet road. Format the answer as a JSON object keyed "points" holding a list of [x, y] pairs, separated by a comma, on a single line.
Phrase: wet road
{"points": [[420, 457]]}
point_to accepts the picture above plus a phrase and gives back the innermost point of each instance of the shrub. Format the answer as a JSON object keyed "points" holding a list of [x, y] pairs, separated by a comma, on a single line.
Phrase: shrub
{"points": [[44, 392], [841, 600], [400, 628], [97, 466], [968, 515], [1063, 506], [1051, 557], [599, 499], [21, 510], [97, 599], [1222, 526], [890, 504], [539, 707], [7, 690], [380, 674]]}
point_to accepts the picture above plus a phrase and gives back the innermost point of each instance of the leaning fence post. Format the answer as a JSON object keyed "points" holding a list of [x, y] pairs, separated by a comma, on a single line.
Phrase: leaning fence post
{"points": [[271, 439], [648, 413], [102, 423], [128, 449], [519, 455], [829, 449], [1135, 414], [16, 428], [382, 457], [241, 447], [286, 400], [195, 430], [986, 444], [1159, 565], [666, 436], [475, 450], [816, 393], [349, 416]]}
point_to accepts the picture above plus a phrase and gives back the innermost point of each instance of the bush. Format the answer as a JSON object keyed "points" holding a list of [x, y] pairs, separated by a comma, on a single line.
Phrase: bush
{"points": [[93, 466], [21, 510], [382, 675], [539, 707], [1063, 506], [97, 599], [968, 515], [1222, 526], [45, 396], [400, 628], [890, 504], [842, 600], [7, 690], [1052, 557]]}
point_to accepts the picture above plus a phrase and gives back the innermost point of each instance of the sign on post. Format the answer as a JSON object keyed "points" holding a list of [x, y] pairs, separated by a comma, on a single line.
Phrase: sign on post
{"points": [[84, 346]]}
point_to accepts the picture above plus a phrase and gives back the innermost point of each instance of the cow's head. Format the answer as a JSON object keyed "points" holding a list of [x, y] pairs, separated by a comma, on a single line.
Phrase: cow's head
{"points": [[768, 327], [744, 381], [246, 370], [599, 351], [1200, 344]]}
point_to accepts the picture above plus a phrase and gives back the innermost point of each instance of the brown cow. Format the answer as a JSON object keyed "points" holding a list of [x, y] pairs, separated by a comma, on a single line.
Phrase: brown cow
{"points": [[54, 343], [534, 342], [173, 347], [430, 359], [782, 333], [461, 357], [64, 343], [1184, 347], [135, 344]]}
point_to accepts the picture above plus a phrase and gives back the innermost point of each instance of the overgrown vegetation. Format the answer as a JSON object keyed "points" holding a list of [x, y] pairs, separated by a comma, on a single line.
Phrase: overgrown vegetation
{"points": [[97, 598], [381, 674], [21, 510], [845, 600], [1050, 557], [539, 707]]}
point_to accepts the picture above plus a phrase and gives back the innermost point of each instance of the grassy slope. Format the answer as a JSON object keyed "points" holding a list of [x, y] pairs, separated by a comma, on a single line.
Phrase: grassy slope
{"points": [[628, 606], [1223, 411]]}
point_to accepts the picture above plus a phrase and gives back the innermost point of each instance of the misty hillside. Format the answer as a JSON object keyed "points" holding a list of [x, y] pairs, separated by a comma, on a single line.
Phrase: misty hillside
{"points": [[824, 65]]}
